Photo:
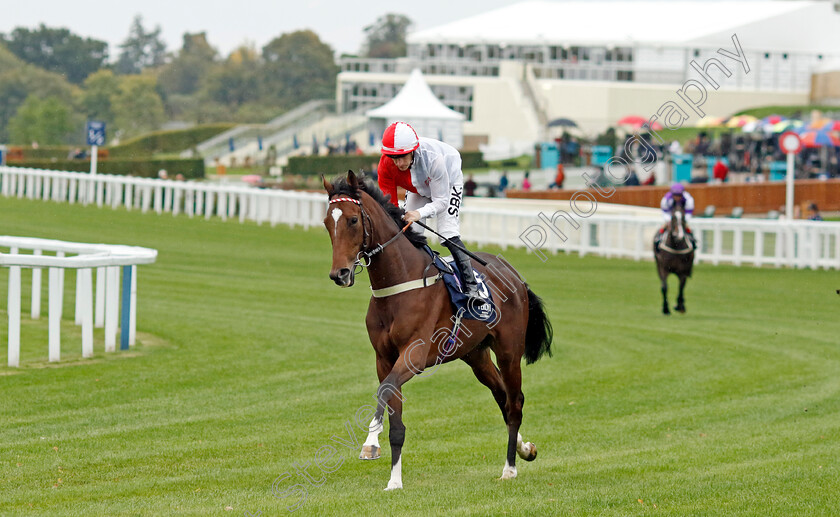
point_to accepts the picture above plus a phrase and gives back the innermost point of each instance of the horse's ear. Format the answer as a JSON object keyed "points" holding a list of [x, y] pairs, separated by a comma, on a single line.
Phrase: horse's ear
{"points": [[327, 185], [352, 180]]}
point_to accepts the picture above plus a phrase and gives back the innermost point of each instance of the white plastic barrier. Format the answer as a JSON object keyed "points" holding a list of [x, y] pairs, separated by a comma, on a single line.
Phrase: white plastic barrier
{"points": [[735, 241], [84, 258]]}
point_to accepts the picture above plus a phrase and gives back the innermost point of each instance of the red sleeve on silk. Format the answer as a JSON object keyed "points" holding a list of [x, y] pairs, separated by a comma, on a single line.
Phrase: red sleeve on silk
{"points": [[387, 172]]}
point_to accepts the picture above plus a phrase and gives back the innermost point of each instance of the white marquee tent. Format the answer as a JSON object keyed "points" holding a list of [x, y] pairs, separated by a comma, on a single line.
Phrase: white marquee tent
{"points": [[416, 104]]}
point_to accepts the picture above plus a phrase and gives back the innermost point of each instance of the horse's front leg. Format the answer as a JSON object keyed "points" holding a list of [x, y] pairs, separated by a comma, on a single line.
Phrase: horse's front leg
{"points": [[680, 300], [663, 277], [389, 396]]}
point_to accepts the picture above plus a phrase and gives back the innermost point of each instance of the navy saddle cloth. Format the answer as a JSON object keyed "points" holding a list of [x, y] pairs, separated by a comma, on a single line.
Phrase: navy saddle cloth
{"points": [[485, 311]]}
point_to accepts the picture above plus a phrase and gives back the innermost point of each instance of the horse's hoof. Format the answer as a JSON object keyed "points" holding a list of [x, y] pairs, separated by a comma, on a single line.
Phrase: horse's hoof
{"points": [[508, 473], [369, 452], [681, 310], [532, 454], [393, 485], [666, 312]]}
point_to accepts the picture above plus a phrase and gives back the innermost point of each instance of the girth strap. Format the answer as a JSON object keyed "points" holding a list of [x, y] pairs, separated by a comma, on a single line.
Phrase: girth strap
{"points": [[405, 286]]}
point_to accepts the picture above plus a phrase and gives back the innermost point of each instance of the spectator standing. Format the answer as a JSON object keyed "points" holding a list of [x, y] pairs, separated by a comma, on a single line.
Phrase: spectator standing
{"points": [[720, 171], [503, 183], [469, 186], [526, 183]]}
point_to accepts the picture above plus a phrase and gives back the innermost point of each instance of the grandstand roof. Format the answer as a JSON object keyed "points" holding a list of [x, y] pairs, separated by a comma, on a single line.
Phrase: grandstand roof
{"points": [[795, 26]]}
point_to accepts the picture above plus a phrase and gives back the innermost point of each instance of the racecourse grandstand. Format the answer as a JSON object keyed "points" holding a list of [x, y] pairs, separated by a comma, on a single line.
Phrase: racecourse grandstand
{"points": [[511, 70]]}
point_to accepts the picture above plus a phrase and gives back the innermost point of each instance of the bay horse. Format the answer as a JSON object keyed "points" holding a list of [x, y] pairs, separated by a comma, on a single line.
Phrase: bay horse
{"points": [[410, 317], [675, 255]]}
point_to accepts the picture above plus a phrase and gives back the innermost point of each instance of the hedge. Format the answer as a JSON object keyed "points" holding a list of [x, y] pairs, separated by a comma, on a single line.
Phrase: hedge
{"points": [[191, 168], [173, 141], [340, 163]]}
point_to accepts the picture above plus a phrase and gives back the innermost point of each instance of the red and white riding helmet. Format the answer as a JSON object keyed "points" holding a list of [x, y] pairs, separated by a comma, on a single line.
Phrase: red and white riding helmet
{"points": [[399, 138]]}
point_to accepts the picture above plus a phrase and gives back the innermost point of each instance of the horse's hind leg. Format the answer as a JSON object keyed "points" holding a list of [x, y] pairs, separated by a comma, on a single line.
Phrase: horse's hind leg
{"points": [[371, 449], [487, 373], [680, 300]]}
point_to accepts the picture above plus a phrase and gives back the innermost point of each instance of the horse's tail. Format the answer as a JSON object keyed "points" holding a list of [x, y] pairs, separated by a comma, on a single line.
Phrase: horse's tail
{"points": [[539, 334]]}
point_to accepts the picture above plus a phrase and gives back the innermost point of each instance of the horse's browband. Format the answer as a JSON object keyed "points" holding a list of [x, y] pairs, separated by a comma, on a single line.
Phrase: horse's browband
{"points": [[405, 286], [339, 199]]}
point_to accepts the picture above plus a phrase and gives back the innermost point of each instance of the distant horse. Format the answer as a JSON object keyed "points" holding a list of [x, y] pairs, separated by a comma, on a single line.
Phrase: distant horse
{"points": [[675, 255], [410, 318]]}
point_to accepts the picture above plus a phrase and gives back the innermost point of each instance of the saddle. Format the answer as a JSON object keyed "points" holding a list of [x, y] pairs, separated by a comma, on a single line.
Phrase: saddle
{"points": [[451, 277]]}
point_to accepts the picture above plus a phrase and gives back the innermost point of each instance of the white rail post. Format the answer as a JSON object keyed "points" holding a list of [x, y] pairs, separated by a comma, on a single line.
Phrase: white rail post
{"points": [[14, 313], [112, 302], [132, 333], [60, 285], [36, 289], [56, 294], [85, 288], [99, 315]]}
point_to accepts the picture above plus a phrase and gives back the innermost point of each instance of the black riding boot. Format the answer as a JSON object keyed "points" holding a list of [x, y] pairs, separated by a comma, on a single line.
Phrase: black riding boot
{"points": [[462, 260]]}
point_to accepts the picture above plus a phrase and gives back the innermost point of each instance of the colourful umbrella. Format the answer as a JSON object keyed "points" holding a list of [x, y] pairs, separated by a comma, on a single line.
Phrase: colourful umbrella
{"points": [[632, 120], [773, 119], [819, 139], [755, 125], [636, 122], [786, 125], [710, 121], [818, 123], [740, 120], [833, 125]]}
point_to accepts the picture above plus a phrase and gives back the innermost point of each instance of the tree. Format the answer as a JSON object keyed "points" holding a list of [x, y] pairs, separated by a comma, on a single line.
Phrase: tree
{"points": [[185, 73], [141, 49], [237, 80], [299, 67], [137, 107], [48, 122], [386, 37], [97, 98], [59, 51], [16, 84]]}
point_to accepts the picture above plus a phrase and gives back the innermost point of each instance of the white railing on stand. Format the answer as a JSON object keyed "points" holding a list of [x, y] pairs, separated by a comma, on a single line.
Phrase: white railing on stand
{"points": [[99, 311]]}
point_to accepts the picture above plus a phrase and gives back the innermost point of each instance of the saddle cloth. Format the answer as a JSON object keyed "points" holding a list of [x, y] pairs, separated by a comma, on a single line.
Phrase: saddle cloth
{"points": [[485, 311]]}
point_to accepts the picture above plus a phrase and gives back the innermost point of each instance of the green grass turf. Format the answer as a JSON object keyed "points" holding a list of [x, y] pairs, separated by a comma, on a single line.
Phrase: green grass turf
{"points": [[250, 359]]}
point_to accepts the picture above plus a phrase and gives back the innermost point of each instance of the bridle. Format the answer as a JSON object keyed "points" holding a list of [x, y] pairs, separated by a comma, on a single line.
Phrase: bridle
{"points": [[680, 223], [365, 254]]}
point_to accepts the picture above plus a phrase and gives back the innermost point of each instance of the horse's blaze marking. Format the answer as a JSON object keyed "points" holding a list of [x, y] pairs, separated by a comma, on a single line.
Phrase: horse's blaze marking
{"points": [[336, 215]]}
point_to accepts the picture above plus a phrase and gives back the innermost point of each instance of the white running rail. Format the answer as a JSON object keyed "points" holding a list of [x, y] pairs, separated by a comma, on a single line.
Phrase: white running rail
{"points": [[100, 310], [745, 241]]}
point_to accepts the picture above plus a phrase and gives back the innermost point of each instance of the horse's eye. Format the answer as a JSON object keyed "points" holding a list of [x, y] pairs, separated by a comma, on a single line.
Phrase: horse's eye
{"points": [[354, 220]]}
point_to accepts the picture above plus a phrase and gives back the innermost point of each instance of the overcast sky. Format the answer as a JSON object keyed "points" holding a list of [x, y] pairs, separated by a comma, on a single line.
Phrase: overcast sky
{"points": [[229, 23]]}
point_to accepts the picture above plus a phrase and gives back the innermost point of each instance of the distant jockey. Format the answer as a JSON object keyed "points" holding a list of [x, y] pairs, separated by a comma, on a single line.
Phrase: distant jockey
{"points": [[677, 196]]}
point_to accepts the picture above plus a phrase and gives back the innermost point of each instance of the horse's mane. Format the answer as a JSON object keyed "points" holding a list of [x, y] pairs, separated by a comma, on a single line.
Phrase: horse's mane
{"points": [[366, 184]]}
